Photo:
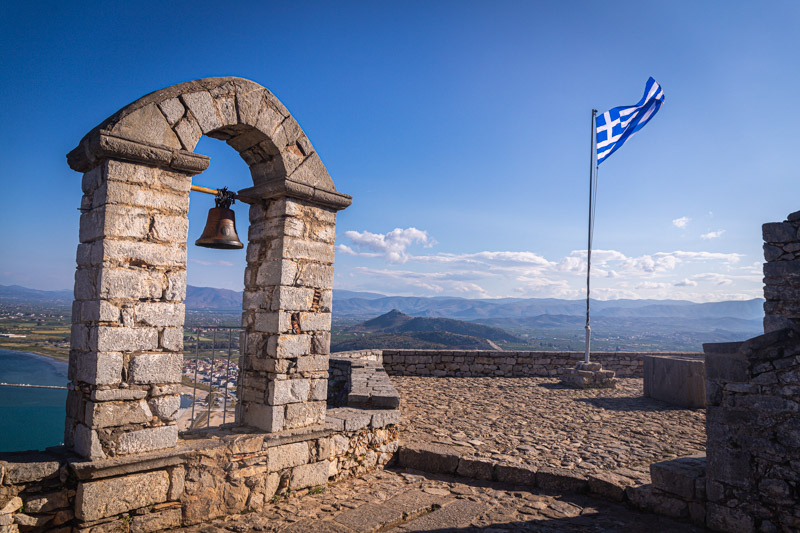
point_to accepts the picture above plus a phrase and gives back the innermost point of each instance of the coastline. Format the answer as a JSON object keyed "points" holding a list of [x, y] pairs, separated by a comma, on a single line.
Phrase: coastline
{"points": [[64, 360], [32, 350]]}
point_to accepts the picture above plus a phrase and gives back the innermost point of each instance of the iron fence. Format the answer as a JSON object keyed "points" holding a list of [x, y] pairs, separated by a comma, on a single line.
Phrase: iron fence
{"points": [[212, 364]]}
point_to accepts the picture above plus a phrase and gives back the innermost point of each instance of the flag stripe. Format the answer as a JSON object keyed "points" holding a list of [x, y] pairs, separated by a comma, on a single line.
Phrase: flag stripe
{"points": [[617, 125]]}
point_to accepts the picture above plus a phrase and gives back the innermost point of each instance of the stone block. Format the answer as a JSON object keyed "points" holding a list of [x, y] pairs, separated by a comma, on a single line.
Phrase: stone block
{"points": [[176, 286], [156, 368], [177, 478], [315, 275], [149, 439], [157, 521], [28, 467], [189, 132], [724, 362], [287, 456], [160, 314], [678, 381], [11, 506], [171, 339], [111, 395], [309, 363], [203, 109], [270, 418], [721, 518], [315, 321], [280, 392], [289, 346], [679, 476], [383, 418], [275, 322], [131, 284], [609, 485], [292, 299], [516, 474], [120, 193], [475, 468], [173, 109], [46, 503], [150, 254], [110, 414], [108, 497], [124, 339], [779, 232], [99, 368], [304, 414], [558, 479], [147, 124], [165, 407], [429, 458], [648, 498], [309, 475]]}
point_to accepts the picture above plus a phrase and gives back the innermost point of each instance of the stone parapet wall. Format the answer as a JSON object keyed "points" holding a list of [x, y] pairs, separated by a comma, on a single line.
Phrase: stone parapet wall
{"points": [[467, 363], [213, 474], [782, 273], [753, 430]]}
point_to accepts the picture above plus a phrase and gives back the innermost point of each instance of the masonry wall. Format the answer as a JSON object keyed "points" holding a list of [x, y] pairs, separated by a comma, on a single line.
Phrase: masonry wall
{"points": [[782, 273], [753, 430], [209, 476], [466, 363]]}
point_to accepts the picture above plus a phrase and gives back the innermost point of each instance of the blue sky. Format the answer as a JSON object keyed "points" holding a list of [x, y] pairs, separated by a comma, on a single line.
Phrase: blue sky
{"points": [[459, 128]]}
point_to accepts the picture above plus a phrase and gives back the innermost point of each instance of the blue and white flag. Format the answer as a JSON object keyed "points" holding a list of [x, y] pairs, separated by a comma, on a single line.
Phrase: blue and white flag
{"points": [[617, 125]]}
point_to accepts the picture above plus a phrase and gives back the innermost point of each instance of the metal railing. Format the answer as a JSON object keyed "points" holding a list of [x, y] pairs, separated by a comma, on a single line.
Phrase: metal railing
{"points": [[211, 365]]}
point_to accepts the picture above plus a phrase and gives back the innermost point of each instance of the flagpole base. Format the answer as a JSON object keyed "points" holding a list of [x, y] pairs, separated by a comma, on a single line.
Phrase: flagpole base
{"points": [[590, 376]]}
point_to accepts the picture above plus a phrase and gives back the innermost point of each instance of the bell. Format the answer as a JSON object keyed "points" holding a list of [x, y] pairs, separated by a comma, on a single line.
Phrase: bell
{"points": [[220, 230]]}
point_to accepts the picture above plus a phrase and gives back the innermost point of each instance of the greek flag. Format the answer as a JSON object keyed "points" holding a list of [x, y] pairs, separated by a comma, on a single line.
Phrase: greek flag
{"points": [[617, 125]]}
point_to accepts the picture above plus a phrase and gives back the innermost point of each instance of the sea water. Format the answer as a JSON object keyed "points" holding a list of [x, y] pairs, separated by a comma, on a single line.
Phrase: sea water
{"points": [[31, 419]]}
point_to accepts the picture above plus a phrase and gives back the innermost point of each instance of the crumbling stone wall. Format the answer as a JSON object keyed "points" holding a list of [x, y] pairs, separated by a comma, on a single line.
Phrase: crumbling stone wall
{"points": [[753, 430], [782, 273], [127, 335], [216, 474]]}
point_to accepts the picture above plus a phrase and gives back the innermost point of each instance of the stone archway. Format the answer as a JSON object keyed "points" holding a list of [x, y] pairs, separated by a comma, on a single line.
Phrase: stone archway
{"points": [[127, 333]]}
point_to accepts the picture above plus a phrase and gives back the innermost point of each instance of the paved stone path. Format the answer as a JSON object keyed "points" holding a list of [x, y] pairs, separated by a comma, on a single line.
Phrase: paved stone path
{"points": [[539, 422], [412, 501]]}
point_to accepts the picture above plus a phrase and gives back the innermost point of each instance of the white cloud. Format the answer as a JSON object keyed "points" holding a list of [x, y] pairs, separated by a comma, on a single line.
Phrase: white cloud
{"points": [[712, 234], [715, 278], [685, 282], [681, 222], [390, 245]]}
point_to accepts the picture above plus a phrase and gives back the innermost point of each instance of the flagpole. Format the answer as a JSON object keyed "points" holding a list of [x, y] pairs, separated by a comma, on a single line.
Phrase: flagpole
{"points": [[589, 243]]}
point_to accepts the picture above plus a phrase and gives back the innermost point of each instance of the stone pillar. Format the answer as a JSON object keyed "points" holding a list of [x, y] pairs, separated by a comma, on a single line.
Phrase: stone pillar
{"points": [[127, 334], [287, 318], [782, 273]]}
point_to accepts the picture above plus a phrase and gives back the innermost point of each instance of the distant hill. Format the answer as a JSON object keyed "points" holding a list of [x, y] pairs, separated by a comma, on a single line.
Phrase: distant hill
{"points": [[17, 294], [398, 330], [208, 299]]}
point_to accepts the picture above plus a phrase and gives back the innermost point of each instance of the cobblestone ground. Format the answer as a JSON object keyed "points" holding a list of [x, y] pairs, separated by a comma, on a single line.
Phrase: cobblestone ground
{"points": [[539, 422], [409, 501]]}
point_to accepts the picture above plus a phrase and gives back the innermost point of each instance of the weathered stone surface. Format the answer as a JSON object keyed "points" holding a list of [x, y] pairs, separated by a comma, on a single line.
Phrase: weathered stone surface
{"points": [[110, 395], [675, 380], [429, 458], [160, 313], [267, 417], [27, 467], [285, 391], [202, 107], [721, 518], [99, 368], [156, 368], [147, 124], [286, 456], [679, 476], [107, 414], [165, 407], [516, 475], [108, 497], [779, 232], [304, 414], [11, 506], [475, 468], [609, 485], [158, 521], [106, 339], [46, 502], [148, 439], [310, 475], [85, 442]]}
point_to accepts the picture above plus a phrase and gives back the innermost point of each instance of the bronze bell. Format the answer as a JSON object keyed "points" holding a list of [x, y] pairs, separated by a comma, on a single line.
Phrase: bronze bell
{"points": [[220, 230]]}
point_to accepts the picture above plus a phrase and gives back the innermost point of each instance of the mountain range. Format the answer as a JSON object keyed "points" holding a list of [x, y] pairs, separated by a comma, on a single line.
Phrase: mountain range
{"points": [[364, 305]]}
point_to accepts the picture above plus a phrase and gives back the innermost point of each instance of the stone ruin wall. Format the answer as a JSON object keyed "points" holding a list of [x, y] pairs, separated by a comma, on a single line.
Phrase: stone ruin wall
{"points": [[753, 432], [211, 475], [477, 363], [782, 273]]}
